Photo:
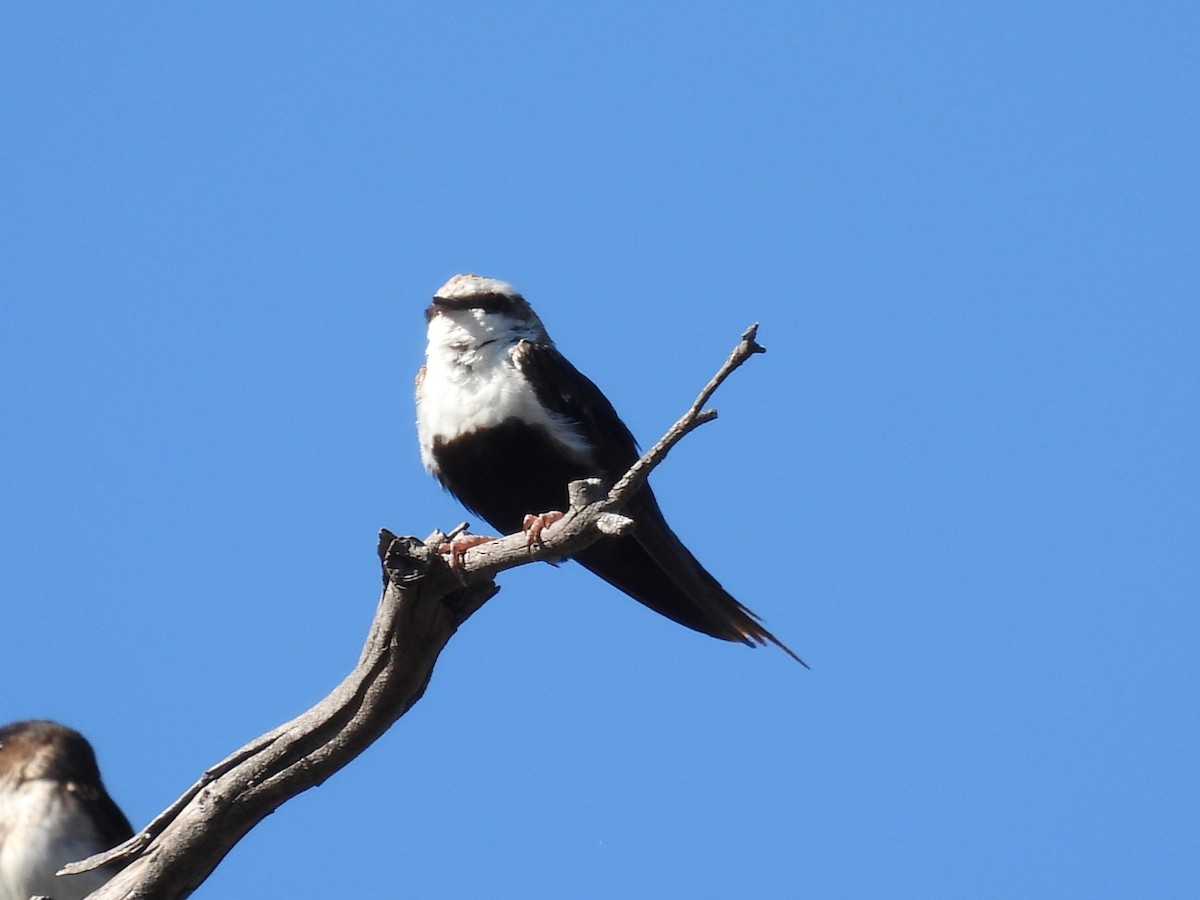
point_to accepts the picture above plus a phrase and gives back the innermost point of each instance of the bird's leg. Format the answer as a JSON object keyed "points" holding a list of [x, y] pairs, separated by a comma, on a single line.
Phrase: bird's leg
{"points": [[458, 546], [533, 526]]}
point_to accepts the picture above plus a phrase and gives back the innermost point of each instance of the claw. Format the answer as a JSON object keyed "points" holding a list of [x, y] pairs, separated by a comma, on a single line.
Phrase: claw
{"points": [[533, 526]]}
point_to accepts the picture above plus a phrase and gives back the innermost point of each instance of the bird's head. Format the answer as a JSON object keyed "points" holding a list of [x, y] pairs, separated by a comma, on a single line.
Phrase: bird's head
{"points": [[470, 311], [41, 749]]}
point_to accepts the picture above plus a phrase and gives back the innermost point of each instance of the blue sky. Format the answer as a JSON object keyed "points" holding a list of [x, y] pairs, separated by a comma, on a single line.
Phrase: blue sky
{"points": [[962, 482]]}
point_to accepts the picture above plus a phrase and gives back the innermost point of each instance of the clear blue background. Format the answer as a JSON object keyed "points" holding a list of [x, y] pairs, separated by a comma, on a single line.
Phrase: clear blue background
{"points": [[962, 483]]}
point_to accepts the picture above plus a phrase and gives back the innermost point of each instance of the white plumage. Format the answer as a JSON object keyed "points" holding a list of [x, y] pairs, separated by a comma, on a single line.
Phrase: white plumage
{"points": [[42, 828]]}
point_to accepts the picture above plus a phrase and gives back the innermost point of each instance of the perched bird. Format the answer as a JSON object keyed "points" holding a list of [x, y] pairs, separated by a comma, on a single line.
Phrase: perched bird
{"points": [[53, 810], [506, 423]]}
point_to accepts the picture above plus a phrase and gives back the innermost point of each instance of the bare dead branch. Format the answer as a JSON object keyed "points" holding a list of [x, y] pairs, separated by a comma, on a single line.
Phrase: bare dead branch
{"points": [[423, 603]]}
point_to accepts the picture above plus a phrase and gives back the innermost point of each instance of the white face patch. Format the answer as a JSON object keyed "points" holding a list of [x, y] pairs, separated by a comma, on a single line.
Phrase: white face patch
{"points": [[471, 381]]}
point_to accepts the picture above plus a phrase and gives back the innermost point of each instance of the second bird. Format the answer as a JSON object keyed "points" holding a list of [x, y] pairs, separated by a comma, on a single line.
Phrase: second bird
{"points": [[53, 810]]}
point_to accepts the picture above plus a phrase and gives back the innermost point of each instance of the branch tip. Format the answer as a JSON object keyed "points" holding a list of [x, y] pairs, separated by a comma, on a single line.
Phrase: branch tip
{"points": [[749, 340], [614, 524]]}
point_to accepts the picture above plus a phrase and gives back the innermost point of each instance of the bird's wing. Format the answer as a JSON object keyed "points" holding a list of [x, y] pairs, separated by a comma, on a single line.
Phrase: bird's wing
{"points": [[563, 389], [112, 827], [652, 565]]}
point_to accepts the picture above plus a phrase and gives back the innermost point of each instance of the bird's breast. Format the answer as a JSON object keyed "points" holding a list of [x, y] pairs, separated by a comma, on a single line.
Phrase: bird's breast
{"points": [[507, 470], [454, 401], [45, 828]]}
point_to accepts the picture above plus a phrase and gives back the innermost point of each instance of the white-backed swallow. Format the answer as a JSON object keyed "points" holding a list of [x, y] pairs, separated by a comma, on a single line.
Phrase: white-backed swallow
{"points": [[506, 423]]}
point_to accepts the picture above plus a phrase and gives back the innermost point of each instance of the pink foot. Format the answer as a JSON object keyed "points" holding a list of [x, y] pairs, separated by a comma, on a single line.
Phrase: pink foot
{"points": [[458, 546], [533, 526]]}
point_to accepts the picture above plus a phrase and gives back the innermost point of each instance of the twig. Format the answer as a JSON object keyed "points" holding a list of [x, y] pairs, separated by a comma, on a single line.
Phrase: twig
{"points": [[696, 416]]}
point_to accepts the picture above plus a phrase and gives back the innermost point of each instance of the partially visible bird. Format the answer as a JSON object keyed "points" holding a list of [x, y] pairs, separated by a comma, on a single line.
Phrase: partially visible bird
{"points": [[53, 810], [506, 423]]}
